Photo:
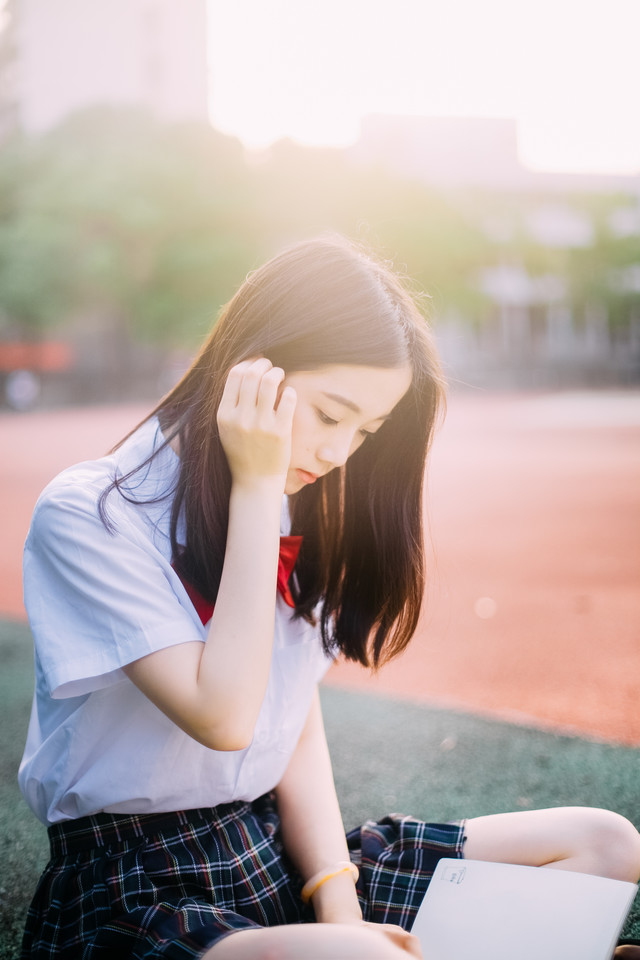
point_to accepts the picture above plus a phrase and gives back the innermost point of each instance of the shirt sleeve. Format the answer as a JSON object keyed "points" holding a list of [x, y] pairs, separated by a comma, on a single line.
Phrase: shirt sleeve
{"points": [[97, 600]]}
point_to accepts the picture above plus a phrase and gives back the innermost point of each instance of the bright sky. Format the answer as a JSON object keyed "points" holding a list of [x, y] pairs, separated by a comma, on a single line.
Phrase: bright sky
{"points": [[567, 70]]}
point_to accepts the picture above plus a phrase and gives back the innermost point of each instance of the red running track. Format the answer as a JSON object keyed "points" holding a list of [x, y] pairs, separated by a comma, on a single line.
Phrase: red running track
{"points": [[533, 608]]}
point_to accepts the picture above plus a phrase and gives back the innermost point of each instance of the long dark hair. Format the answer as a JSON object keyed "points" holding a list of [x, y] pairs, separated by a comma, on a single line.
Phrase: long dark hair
{"points": [[321, 302]]}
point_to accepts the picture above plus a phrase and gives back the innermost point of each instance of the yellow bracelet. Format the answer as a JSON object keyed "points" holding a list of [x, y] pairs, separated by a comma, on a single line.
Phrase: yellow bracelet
{"points": [[316, 881]]}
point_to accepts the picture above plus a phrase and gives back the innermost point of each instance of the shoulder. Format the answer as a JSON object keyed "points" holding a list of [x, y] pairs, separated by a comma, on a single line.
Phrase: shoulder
{"points": [[71, 502], [75, 491], [66, 528]]}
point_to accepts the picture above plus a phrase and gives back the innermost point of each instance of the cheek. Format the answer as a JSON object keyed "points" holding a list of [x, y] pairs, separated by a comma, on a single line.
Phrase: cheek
{"points": [[300, 429]]}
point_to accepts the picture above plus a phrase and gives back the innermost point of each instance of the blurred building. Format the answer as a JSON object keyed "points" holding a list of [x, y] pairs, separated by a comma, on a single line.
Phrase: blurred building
{"points": [[454, 152], [445, 151], [536, 328], [68, 55]]}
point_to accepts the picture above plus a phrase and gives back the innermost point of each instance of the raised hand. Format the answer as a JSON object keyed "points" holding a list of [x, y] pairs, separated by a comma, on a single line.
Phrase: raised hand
{"points": [[255, 419]]}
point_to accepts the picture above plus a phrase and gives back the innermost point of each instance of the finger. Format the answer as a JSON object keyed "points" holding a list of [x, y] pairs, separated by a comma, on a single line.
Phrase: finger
{"points": [[251, 379], [287, 405], [231, 391], [268, 389], [413, 947], [406, 941]]}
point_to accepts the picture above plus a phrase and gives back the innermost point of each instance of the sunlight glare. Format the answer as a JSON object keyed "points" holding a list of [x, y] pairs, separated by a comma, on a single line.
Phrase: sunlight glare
{"points": [[566, 70]]}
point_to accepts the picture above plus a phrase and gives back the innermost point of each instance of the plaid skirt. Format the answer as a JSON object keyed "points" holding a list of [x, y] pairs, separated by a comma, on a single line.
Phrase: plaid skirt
{"points": [[170, 885]]}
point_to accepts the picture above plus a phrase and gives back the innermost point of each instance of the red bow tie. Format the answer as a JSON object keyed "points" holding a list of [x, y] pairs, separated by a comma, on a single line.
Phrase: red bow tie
{"points": [[289, 549]]}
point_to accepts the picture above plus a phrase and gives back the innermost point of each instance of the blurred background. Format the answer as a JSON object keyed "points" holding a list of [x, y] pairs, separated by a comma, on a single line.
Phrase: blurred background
{"points": [[152, 153]]}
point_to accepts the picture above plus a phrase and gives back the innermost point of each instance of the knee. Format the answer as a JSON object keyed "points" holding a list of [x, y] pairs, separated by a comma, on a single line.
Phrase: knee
{"points": [[614, 844]]}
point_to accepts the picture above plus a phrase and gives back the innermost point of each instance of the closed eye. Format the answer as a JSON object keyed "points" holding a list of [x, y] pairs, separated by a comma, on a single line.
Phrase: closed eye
{"points": [[324, 418], [330, 422]]}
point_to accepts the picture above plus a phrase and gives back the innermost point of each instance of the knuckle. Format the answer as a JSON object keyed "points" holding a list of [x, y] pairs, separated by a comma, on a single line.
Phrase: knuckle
{"points": [[244, 426], [267, 427], [238, 368]]}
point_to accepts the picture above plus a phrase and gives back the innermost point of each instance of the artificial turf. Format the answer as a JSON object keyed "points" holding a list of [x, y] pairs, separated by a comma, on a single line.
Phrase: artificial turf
{"points": [[389, 756]]}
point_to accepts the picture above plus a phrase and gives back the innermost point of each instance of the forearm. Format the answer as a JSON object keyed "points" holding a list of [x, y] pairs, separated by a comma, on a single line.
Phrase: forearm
{"points": [[311, 823], [235, 663], [214, 691]]}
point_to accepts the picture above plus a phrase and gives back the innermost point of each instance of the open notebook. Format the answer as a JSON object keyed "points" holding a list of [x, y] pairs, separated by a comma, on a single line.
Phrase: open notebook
{"points": [[498, 911]]}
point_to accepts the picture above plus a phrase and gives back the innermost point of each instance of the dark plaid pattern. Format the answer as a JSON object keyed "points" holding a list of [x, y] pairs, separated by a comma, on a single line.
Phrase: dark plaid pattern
{"points": [[171, 885], [396, 858]]}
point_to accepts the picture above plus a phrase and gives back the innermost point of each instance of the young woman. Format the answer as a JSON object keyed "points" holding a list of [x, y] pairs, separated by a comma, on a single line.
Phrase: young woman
{"points": [[176, 747]]}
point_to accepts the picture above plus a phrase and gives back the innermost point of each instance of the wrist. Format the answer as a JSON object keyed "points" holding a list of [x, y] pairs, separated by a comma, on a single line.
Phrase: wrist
{"points": [[272, 484], [258, 502], [336, 901]]}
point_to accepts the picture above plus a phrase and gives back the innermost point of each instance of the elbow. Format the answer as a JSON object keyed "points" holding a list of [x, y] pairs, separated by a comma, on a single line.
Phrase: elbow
{"points": [[227, 744], [226, 737], [224, 726]]}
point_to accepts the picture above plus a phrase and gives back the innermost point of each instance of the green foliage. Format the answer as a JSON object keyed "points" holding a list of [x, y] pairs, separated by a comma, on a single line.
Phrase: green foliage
{"points": [[34, 246], [115, 215], [120, 222]]}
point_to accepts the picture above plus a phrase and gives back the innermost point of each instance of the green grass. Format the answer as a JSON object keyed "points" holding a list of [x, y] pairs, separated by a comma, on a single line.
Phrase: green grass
{"points": [[23, 839], [388, 756], [392, 756]]}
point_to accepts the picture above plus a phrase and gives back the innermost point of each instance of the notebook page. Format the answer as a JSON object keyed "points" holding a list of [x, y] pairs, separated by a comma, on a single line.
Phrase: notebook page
{"points": [[497, 911]]}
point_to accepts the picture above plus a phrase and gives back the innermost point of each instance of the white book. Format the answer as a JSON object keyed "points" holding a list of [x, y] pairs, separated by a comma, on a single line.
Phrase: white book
{"points": [[499, 911]]}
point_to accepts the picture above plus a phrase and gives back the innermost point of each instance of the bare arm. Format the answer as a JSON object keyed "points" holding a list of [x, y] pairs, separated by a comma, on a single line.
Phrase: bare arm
{"points": [[313, 833], [214, 691], [311, 822]]}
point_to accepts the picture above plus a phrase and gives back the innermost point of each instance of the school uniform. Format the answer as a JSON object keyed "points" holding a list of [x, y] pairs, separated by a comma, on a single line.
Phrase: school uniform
{"points": [[159, 845]]}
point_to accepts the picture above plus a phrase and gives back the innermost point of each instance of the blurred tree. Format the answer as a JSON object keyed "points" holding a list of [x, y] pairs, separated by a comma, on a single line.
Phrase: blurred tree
{"points": [[429, 236], [606, 274], [35, 249], [116, 223], [147, 205], [125, 222]]}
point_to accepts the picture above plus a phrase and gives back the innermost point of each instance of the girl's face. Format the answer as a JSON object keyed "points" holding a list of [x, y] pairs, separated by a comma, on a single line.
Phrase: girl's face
{"points": [[337, 408]]}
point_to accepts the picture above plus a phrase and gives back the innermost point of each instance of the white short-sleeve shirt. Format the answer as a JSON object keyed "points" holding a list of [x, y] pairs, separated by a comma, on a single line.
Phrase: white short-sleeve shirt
{"points": [[98, 600]]}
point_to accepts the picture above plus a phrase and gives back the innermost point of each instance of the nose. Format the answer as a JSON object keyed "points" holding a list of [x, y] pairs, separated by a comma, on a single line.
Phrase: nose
{"points": [[336, 453]]}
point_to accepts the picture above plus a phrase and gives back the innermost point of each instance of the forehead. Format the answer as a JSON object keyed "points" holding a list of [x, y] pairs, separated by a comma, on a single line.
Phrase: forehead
{"points": [[369, 393]]}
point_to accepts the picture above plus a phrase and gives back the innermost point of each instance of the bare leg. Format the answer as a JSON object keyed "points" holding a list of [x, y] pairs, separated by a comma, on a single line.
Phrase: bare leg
{"points": [[583, 839], [316, 941]]}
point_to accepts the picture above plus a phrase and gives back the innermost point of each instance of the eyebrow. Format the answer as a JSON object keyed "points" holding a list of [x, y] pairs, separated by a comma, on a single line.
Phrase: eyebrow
{"points": [[351, 405]]}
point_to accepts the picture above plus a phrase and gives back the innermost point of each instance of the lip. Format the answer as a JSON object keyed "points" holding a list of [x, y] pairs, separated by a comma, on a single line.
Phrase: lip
{"points": [[306, 477]]}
